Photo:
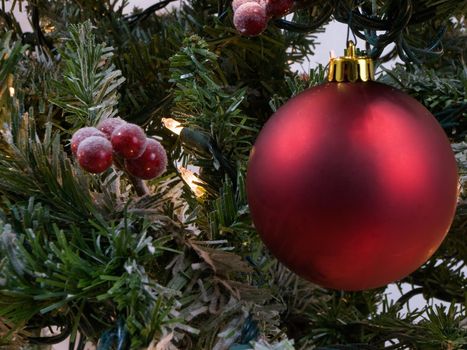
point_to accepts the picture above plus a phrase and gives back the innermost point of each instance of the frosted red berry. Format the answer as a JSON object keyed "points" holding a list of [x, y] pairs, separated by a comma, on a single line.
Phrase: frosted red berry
{"points": [[81, 135], [278, 8], [237, 3], [250, 19], [95, 154], [151, 164], [108, 125], [129, 141]]}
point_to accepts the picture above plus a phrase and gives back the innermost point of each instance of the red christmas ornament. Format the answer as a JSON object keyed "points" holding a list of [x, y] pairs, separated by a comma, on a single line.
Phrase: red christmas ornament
{"points": [[150, 164], [352, 185]]}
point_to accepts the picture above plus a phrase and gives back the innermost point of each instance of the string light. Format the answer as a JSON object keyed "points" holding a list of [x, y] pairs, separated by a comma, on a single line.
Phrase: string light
{"points": [[9, 82], [202, 143], [188, 176], [173, 125], [192, 139], [49, 29], [193, 181]]}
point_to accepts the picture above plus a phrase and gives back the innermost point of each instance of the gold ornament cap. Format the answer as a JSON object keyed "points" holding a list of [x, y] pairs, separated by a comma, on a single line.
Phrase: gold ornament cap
{"points": [[351, 68]]}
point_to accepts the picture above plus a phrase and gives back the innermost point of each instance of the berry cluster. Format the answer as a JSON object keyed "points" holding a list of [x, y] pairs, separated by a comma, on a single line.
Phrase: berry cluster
{"points": [[95, 149], [251, 16]]}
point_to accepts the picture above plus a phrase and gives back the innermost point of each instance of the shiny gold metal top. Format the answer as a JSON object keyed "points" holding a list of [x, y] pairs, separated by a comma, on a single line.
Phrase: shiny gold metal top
{"points": [[351, 67]]}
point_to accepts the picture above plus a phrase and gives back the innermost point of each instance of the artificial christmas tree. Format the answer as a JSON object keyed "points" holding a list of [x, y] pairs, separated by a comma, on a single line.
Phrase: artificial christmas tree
{"points": [[174, 262]]}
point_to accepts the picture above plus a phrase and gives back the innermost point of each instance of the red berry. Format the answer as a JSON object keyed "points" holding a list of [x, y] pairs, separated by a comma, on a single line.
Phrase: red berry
{"points": [[108, 126], [278, 8], [82, 134], [129, 141], [237, 3], [250, 19], [95, 154], [151, 164]]}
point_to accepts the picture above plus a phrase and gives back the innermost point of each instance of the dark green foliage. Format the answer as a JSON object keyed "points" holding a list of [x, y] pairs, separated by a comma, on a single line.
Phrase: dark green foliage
{"points": [[82, 280], [443, 92], [352, 318], [204, 100], [441, 84], [87, 93]]}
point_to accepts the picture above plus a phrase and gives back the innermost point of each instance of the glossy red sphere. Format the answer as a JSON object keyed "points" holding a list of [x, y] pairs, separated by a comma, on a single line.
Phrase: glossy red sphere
{"points": [[150, 164], [352, 185], [129, 141], [95, 154]]}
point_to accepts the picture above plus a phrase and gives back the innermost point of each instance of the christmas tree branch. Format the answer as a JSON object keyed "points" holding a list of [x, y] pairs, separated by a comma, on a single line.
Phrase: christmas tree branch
{"points": [[34, 169], [88, 90], [203, 101]]}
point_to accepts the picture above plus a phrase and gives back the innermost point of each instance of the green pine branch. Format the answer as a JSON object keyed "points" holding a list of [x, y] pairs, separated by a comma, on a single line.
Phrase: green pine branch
{"points": [[204, 100], [31, 168], [442, 91], [83, 281], [87, 92]]}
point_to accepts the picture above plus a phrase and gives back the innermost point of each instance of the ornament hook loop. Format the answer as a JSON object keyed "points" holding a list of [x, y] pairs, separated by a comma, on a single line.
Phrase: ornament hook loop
{"points": [[351, 67], [350, 50]]}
